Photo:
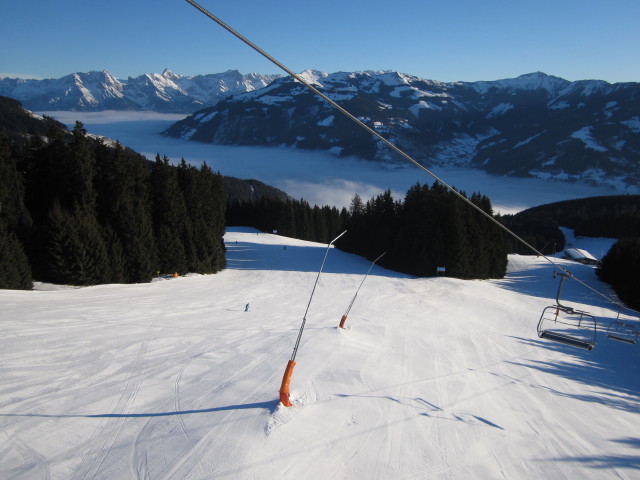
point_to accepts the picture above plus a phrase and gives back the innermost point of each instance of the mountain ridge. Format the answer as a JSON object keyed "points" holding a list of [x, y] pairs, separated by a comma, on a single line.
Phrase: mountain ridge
{"points": [[100, 90], [534, 125]]}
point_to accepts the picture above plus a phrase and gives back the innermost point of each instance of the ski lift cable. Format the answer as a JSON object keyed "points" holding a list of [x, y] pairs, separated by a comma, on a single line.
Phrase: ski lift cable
{"points": [[396, 149]]}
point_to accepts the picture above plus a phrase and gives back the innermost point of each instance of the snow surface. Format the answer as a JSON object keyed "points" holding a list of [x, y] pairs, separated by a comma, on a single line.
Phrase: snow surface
{"points": [[432, 377], [597, 247], [500, 109], [585, 135], [633, 124], [530, 81], [321, 177]]}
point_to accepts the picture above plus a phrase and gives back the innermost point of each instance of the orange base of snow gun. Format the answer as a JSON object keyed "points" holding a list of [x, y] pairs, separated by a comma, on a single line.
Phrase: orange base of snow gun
{"points": [[284, 388]]}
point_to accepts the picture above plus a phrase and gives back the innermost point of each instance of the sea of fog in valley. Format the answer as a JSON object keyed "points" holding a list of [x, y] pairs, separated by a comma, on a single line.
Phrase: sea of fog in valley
{"points": [[320, 177]]}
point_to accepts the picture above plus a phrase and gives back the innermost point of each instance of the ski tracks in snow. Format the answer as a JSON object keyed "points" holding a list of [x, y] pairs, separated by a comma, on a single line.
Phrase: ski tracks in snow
{"points": [[208, 384], [109, 428], [20, 461]]}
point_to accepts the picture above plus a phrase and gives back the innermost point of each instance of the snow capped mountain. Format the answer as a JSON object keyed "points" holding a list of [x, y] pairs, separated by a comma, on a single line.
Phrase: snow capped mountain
{"points": [[529, 81], [532, 125], [535, 125], [96, 91], [78, 91]]}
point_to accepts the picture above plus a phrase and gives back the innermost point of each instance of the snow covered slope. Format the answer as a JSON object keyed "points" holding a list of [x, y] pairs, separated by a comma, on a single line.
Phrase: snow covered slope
{"points": [[432, 378]]}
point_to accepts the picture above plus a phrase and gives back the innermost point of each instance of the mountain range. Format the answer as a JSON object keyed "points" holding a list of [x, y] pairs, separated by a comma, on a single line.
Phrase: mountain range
{"points": [[535, 125], [97, 91]]}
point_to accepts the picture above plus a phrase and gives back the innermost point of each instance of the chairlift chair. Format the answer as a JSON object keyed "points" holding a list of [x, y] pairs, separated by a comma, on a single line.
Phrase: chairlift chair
{"points": [[564, 324], [623, 331]]}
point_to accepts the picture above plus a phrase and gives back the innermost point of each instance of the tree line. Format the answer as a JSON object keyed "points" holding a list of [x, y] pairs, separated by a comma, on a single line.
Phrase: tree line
{"points": [[428, 229], [620, 267], [613, 216], [74, 210]]}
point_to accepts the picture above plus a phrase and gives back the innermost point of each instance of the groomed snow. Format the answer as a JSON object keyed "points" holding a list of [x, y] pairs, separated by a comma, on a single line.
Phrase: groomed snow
{"points": [[432, 378]]}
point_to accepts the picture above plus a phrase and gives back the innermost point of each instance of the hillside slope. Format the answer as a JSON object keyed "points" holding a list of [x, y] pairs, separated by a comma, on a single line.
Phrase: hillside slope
{"points": [[432, 378], [535, 125]]}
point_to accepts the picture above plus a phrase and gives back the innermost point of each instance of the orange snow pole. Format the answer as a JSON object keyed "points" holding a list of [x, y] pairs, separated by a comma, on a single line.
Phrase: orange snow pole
{"points": [[342, 320], [284, 388]]}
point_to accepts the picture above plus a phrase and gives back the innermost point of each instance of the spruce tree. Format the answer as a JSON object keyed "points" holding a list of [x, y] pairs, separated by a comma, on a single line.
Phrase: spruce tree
{"points": [[15, 271], [619, 267], [169, 213], [124, 204], [75, 249], [15, 222]]}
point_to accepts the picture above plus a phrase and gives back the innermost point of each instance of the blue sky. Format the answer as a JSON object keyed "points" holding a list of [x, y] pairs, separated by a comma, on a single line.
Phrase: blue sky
{"points": [[445, 40]]}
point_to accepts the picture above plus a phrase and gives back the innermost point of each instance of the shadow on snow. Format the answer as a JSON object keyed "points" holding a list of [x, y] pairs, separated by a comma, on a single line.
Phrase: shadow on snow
{"points": [[271, 406], [611, 369], [244, 255]]}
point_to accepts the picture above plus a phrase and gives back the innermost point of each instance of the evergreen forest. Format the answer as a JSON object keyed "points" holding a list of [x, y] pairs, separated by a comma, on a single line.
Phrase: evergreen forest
{"points": [[614, 216], [74, 210], [77, 210], [430, 228], [620, 267]]}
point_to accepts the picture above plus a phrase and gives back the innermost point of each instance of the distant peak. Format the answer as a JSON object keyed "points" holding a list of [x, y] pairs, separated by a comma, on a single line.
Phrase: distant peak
{"points": [[313, 76], [168, 74], [528, 81], [534, 75]]}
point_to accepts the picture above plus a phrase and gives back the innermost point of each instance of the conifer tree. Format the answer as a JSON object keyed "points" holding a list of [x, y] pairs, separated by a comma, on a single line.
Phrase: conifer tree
{"points": [[79, 169], [44, 177], [169, 213], [289, 226], [124, 204], [620, 267], [15, 271], [13, 211], [321, 232], [303, 220], [76, 252]]}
